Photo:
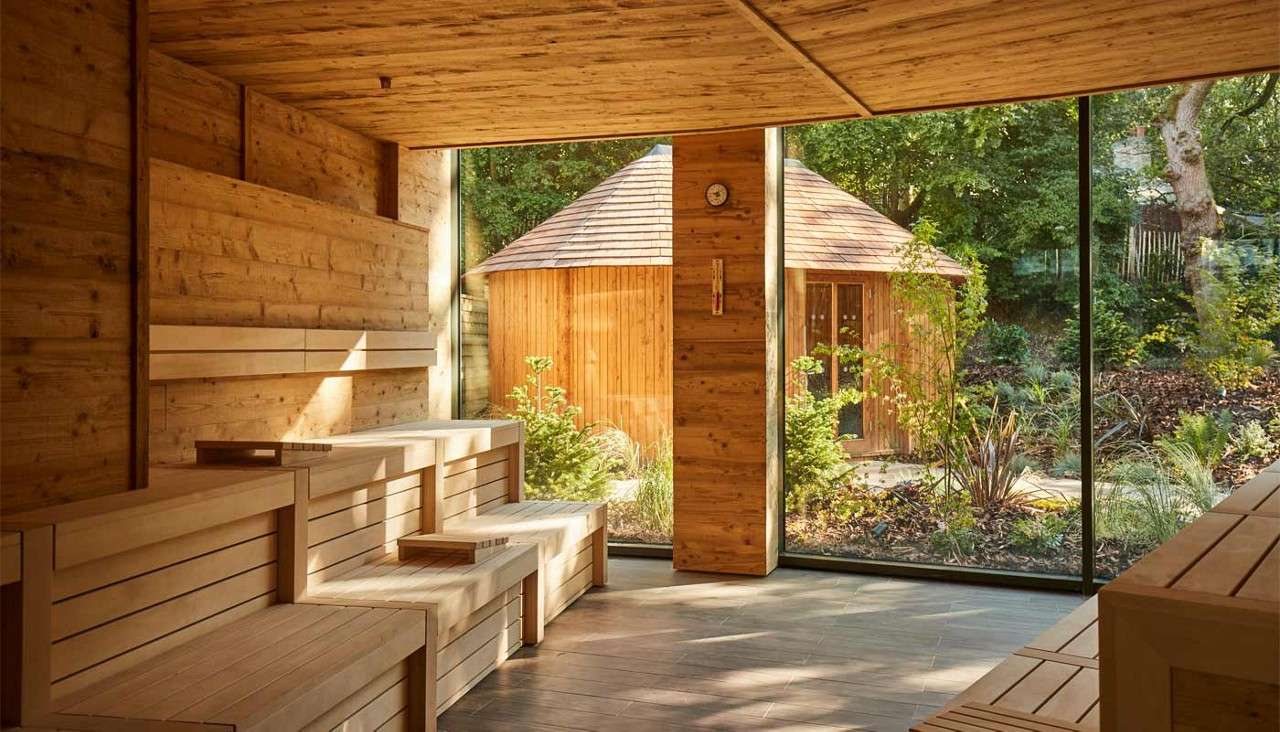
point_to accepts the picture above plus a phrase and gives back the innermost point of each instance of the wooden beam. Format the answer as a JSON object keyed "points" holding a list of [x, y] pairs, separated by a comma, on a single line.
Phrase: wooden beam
{"points": [[140, 278], [389, 181], [766, 26]]}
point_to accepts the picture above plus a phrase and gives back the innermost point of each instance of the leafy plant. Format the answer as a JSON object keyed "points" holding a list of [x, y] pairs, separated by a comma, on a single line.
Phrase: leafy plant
{"points": [[988, 464], [815, 456], [1240, 311], [1115, 342], [1007, 344], [655, 492], [1252, 441], [1040, 534], [562, 461], [920, 378], [1067, 466], [1206, 435], [956, 535], [1140, 502]]}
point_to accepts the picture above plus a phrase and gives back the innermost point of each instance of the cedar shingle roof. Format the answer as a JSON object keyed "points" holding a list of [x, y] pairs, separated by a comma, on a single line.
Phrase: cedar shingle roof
{"points": [[626, 221]]}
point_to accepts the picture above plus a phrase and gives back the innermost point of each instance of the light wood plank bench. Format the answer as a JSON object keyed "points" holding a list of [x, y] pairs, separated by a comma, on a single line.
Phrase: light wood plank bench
{"points": [[1191, 632], [1052, 682], [157, 609]]}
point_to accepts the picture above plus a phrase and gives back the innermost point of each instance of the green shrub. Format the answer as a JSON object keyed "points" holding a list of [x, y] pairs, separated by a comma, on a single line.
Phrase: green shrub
{"points": [[1144, 497], [1007, 344], [655, 492], [988, 464], [815, 456], [956, 535], [1067, 466], [1115, 342], [561, 460], [1039, 535], [1252, 441], [1239, 314], [1206, 435]]}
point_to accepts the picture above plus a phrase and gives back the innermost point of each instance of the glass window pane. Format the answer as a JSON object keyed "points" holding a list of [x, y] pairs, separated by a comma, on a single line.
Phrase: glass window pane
{"points": [[1186, 305], [948, 241], [566, 291]]}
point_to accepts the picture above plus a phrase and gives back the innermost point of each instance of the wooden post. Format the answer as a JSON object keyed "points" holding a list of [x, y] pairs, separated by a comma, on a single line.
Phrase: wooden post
{"points": [[531, 609], [725, 481], [27, 631], [515, 468], [291, 547]]}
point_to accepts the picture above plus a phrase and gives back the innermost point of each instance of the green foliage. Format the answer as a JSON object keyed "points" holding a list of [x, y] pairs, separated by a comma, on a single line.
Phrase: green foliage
{"points": [[1007, 344], [1115, 342], [1207, 436], [1144, 497], [921, 378], [1241, 317], [562, 461], [988, 464], [655, 492], [1252, 441], [956, 535], [815, 456], [1039, 534], [1067, 466]]}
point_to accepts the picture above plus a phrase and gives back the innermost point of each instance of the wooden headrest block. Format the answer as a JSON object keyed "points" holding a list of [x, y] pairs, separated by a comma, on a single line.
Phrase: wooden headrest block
{"points": [[472, 548], [257, 452]]}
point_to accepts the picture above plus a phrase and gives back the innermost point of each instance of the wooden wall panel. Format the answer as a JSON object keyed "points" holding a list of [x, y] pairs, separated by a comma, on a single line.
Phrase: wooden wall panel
{"points": [[295, 151], [610, 340], [66, 318], [725, 503], [231, 253], [195, 117]]}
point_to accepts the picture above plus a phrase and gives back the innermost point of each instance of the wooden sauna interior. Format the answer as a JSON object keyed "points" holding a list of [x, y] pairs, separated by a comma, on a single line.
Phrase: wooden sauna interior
{"points": [[237, 221]]}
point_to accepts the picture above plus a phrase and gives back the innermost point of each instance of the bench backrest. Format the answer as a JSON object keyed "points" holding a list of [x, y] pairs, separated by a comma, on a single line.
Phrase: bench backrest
{"points": [[127, 576], [475, 484]]}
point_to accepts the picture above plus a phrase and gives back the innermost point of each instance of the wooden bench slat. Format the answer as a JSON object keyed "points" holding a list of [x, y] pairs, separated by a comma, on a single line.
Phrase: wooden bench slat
{"points": [[1226, 566], [1166, 563], [1062, 633], [1074, 699], [1041, 684], [1264, 584]]}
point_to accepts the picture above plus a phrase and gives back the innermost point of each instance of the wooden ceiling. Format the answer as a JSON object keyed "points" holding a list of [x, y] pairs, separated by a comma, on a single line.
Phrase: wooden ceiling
{"points": [[469, 73]]}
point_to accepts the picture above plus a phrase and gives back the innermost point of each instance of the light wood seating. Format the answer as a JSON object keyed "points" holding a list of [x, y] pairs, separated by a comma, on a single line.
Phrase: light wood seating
{"points": [[1191, 633], [157, 609], [571, 539], [480, 608], [1051, 682]]}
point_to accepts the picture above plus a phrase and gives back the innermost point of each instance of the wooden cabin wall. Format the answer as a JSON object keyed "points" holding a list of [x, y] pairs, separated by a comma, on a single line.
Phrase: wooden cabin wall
{"points": [[883, 332], [68, 163], [608, 331], [211, 269]]}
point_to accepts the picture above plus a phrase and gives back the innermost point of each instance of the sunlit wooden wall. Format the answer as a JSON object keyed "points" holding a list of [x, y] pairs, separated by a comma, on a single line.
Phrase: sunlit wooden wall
{"points": [[608, 330], [335, 231]]}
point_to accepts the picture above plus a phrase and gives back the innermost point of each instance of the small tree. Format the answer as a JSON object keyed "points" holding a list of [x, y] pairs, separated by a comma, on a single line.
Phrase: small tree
{"points": [[921, 378], [561, 460]]}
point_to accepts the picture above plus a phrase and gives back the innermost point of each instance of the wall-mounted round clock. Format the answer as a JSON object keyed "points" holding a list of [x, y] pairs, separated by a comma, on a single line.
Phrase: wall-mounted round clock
{"points": [[717, 194]]}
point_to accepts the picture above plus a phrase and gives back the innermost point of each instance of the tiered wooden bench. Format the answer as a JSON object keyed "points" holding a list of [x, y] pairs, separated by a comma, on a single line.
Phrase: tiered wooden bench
{"points": [[1051, 682], [1191, 633], [158, 609]]}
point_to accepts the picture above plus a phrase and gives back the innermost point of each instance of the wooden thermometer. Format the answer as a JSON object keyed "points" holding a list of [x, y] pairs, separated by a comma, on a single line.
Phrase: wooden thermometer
{"points": [[717, 286]]}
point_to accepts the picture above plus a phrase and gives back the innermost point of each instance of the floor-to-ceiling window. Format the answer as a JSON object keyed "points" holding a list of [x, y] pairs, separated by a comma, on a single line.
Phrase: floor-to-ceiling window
{"points": [[932, 413], [565, 319], [1186, 304], [938, 422]]}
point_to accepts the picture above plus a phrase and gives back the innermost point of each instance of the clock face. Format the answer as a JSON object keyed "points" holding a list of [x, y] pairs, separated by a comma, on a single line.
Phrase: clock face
{"points": [[717, 194]]}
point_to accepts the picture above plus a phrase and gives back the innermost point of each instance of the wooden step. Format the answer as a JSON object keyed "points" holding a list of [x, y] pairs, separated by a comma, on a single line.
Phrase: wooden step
{"points": [[471, 548]]}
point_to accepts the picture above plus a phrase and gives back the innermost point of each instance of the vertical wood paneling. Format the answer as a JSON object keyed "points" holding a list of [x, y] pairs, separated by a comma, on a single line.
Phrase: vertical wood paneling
{"points": [[723, 512], [608, 331], [68, 243]]}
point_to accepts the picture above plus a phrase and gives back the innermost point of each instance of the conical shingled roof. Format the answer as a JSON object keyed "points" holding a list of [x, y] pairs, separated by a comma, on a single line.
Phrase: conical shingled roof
{"points": [[626, 221]]}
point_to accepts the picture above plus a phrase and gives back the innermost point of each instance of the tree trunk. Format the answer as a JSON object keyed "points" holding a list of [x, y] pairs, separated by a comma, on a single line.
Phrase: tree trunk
{"points": [[1179, 127]]}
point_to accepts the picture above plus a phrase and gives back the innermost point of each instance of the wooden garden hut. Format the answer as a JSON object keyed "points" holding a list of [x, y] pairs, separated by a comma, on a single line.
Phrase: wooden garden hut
{"points": [[591, 287]]}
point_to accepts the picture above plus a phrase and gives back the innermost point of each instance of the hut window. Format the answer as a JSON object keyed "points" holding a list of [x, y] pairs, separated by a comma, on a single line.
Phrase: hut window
{"points": [[834, 315]]}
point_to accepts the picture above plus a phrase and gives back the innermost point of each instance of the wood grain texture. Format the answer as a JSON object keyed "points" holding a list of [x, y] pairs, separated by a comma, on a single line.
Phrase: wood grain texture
{"points": [[512, 71], [67, 177], [724, 517], [235, 254]]}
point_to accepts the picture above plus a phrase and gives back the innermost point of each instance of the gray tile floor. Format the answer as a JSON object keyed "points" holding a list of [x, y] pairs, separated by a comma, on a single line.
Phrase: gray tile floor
{"points": [[798, 650]]}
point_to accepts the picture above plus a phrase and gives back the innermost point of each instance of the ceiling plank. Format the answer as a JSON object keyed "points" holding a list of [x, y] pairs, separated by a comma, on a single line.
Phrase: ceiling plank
{"points": [[793, 49]]}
